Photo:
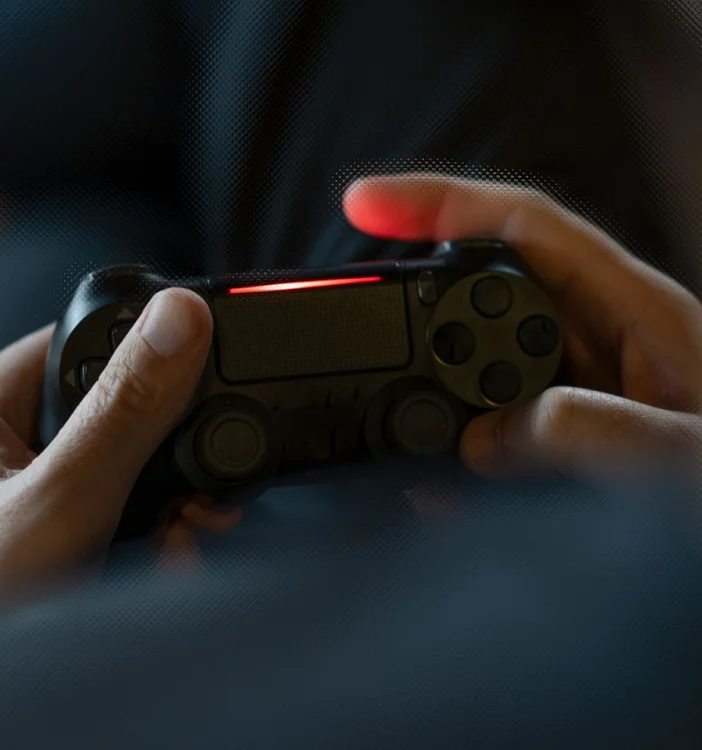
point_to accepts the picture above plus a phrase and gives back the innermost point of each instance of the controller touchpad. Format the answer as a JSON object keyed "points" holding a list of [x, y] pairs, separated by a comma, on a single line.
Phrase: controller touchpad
{"points": [[312, 332]]}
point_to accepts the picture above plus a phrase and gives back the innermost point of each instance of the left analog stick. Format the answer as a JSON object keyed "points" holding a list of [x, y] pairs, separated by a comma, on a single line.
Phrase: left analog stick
{"points": [[231, 446]]}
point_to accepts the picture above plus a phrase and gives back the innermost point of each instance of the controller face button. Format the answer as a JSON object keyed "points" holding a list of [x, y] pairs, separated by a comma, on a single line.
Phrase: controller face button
{"points": [[231, 446], [453, 344], [422, 424], [118, 333], [90, 371], [501, 382], [427, 290], [491, 297], [538, 336]]}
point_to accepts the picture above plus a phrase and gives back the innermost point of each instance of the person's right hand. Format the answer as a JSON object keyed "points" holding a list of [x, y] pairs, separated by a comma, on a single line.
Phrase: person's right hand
{"points": [[59, 510], [633, 336]]}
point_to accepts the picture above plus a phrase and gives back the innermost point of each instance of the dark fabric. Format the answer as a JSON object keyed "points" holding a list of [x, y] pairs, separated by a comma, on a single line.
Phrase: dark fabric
{"points": [[219, 135], [541, 617], [210, 135]]}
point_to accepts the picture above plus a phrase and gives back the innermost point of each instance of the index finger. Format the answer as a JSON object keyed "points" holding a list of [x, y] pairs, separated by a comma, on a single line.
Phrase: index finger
{"points": [[573, 260]]}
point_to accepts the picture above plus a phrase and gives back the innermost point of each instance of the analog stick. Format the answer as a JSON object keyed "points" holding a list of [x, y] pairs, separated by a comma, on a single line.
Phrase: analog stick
{"points": [[421, 424], [231, 446]]}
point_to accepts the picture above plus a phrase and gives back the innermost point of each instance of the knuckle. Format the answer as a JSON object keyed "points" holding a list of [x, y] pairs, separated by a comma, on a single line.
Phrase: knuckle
{"points": [[529, 210], [123, 387], [553, 418]]}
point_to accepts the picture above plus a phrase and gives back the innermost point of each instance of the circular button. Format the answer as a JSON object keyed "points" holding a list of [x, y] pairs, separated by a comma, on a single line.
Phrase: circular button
{"points": [[538, 336], [231, 446], [501, 382], [422, 424], [491, 297], [453, 344]]}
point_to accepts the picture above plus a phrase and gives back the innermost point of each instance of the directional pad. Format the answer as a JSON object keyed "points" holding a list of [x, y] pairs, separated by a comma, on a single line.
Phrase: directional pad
{"points": [[90, 372], [118, 333]]}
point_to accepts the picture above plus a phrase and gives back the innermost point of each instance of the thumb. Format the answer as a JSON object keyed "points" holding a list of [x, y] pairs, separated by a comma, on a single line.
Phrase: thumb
{"points": [[579, 431], [138, 400]]}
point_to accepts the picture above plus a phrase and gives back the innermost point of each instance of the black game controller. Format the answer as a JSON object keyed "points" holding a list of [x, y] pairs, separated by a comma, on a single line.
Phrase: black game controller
{"points": [[318, 368]]}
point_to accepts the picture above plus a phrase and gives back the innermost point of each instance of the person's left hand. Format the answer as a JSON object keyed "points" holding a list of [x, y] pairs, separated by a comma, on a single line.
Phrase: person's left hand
{"points": [[21, 379]]}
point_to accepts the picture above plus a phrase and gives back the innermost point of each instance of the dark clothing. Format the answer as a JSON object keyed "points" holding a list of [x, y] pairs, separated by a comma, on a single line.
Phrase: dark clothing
{"points": [[219, 135], [544, 618], [206, 135]]}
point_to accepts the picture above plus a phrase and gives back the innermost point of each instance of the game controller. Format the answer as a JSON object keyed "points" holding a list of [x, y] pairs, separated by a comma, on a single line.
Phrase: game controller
{"points": [[312, 369]]}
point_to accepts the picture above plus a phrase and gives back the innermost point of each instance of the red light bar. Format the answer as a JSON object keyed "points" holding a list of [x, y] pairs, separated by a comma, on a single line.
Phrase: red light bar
{"points": [[290, 286]]}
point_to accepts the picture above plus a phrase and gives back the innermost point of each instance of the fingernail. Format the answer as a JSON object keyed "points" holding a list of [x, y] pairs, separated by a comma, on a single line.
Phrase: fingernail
{"points": [[171, 323], [480, 446]]}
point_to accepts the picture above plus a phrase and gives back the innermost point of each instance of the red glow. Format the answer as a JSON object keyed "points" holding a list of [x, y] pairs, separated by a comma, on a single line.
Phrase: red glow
{"points": [[397, 208], [290, 286]]}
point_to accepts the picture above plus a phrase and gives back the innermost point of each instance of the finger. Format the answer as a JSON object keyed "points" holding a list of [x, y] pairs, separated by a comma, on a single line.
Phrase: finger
{"points": [[574, 430], [574, 261], [204, 514], [14, 453], [138, 400], [179, 551], [21, 377]]}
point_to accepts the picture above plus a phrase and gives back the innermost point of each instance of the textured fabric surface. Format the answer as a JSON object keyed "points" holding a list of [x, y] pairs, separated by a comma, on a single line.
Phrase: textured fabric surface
{"points": [[543, 617], [214, 135], [220, 135]]}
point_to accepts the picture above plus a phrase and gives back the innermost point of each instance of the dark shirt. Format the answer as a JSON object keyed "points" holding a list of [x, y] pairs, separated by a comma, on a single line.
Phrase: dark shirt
{"points": [[220, 135], [203, 135]]}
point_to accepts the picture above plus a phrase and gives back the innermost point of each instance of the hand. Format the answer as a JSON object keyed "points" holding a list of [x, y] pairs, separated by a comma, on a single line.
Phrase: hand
{"points": [[632, 336], [59, 510]]}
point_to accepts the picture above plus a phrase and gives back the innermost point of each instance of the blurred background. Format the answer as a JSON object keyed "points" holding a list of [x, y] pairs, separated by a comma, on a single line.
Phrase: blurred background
{"points": [[218, 135]]}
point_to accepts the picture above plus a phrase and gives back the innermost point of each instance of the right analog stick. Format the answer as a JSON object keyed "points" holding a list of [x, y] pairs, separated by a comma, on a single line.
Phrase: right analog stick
{"points": [[422, 424], [231, 446]]}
